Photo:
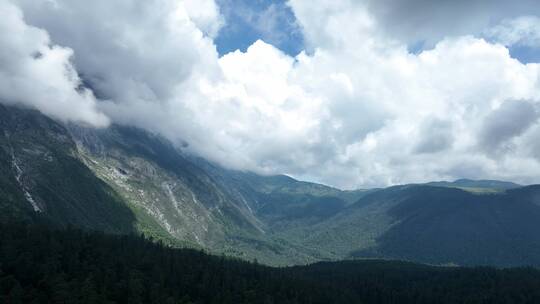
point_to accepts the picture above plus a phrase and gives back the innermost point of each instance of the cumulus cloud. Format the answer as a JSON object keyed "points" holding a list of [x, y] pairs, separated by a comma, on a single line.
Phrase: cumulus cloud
{"points": [[521, 31], [428, 21], [530, 141], [358, 109], [205, 14], [38, 74], [144, 59], [511, 119], [435, 135], [128, 50]]}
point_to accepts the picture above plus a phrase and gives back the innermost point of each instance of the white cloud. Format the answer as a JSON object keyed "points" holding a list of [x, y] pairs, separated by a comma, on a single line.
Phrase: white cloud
{"points": [[357, 110], [434, 135], [144, 59], [369, 102], [428, 21], [205, 14], [460, 81], [127, 50], [360, 118], [510, 120], [521, 31], [38, 74]]}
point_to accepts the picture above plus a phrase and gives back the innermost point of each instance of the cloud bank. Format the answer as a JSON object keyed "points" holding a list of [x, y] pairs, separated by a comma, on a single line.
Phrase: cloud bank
{"points": [[357, 110], [38, 74]]}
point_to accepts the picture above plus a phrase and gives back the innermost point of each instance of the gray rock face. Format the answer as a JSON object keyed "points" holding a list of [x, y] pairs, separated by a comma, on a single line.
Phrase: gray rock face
{"points": [[42, 173]]}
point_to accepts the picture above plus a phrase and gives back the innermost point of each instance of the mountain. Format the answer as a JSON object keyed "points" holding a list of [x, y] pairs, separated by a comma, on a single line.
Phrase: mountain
{"points": [[125, 180], [451, 226], [192, 202], [41, 173], [477, 185], [281, 202], [436, 225]]}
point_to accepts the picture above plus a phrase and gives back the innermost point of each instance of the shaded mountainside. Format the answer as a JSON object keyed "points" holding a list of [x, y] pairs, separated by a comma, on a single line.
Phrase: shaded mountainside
{"points": [[437, 225], [281, 202], [39, 265], [441, 226], [42, 173], [124, 180]]}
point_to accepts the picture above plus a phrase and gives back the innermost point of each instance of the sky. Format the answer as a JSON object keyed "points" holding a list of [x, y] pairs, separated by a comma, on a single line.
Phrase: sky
{"points": [[353, 94]]}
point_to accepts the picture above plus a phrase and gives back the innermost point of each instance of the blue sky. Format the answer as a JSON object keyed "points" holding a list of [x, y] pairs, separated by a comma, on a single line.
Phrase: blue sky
{"points": [[525, 54], [274, 22], [248, 21]]}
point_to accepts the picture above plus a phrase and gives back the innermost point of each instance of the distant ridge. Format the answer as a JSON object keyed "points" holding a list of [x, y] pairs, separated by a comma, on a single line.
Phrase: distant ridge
{"points": [[470, 183]]}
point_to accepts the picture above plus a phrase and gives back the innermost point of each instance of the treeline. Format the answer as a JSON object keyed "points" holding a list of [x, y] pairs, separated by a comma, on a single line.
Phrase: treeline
{"points": [[43, 265]]}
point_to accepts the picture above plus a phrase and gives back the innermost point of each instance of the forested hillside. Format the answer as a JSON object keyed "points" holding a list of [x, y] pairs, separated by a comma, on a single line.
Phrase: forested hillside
{"points": [[42, 265]]}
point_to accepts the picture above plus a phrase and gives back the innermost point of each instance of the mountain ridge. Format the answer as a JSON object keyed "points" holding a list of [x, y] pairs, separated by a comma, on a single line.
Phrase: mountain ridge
{"points": [[126, 180]]}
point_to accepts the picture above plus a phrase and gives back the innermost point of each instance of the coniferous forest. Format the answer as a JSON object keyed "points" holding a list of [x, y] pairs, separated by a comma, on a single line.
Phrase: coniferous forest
{"points": [[40, 264]]}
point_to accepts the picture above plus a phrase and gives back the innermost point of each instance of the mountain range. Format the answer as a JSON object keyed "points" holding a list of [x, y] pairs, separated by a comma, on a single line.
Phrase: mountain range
{"points": [[123, 180]]}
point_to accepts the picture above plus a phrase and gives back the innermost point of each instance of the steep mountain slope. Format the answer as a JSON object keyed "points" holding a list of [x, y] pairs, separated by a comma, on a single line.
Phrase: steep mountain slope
{"points": [[184, 200], [281, 202], [153, 176], [126, 180], [42, 174]]}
